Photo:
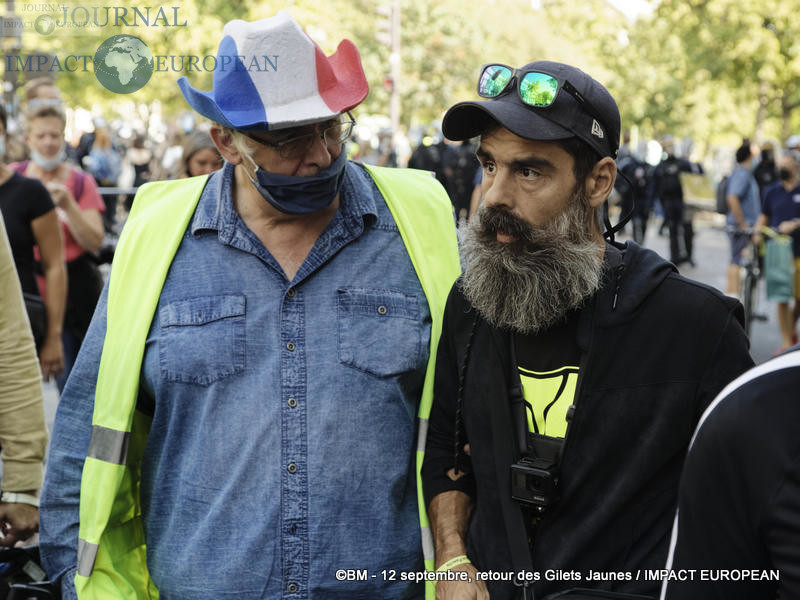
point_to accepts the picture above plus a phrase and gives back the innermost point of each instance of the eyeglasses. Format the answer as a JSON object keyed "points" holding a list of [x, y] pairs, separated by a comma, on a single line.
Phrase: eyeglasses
{"points": [[536, 89], [332, 133]]}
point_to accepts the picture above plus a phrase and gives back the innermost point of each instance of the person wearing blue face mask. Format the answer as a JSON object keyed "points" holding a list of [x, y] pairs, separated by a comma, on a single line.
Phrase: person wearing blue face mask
{"points": [[243, 408], [79, 208]]}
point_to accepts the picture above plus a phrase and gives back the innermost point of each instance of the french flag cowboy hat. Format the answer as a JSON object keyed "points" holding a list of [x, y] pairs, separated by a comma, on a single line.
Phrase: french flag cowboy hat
{"points": [[270, 75]]}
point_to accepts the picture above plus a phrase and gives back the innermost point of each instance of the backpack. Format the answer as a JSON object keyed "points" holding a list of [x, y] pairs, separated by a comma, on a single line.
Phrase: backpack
{"points": [[722, 195]]}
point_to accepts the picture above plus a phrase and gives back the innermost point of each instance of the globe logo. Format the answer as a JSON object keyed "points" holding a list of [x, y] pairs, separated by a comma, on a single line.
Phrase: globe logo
{"points": [[44, 24], [123, 64]]}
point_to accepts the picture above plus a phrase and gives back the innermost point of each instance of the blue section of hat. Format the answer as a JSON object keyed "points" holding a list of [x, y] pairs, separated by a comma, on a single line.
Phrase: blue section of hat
{"points": [[234, 100]]}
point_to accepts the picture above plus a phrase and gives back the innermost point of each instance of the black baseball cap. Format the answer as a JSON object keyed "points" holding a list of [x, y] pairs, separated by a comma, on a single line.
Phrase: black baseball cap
{"points": [[566, 117]]}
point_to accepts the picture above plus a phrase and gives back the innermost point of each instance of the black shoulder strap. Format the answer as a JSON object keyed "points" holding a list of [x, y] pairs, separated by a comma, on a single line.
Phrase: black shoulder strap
{"points": [[513, 518]]}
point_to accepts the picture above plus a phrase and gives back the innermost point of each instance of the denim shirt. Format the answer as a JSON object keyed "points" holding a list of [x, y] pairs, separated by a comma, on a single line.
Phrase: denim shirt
{"points": [[743, 185], [282, 443]]}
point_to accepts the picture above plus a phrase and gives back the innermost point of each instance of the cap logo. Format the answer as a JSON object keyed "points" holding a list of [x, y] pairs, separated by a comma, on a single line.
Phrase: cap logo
{"points": [[596, 129]]}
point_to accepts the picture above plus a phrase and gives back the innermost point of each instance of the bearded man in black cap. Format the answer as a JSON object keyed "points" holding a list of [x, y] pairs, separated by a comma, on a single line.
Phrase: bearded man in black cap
{"points": [[571, 370]]}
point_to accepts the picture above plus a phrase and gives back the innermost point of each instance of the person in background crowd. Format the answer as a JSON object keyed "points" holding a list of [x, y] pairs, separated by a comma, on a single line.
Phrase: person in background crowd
{"points": [[432, 156], [744, 206], [41, 91], [141, 157], [79, 208], [23, 436], [460, 176], [666, 186], [31, 220], [200, 155], [103, 161], [634, 197], [104, 164], [765, 172], [781, 211], [475, 200], [267, 337]]}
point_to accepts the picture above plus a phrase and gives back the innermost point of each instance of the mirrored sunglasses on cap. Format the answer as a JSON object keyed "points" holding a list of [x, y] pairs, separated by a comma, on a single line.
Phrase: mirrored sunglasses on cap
{"points": [[535, 88]]}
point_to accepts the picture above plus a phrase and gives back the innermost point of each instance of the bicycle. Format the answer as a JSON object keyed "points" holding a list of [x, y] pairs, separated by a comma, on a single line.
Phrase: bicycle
{"points": [[753, 271], [22, 577]]}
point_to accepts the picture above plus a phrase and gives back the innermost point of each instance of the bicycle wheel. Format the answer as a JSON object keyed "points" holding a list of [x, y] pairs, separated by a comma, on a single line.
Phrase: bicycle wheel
{"points": [[749, 300]]}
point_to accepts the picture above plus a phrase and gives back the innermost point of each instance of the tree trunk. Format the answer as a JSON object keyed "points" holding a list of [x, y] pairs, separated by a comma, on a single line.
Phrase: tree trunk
{"points": [[761, 115]]}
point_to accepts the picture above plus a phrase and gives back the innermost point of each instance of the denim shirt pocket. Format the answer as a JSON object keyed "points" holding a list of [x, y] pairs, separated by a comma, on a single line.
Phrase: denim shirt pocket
{"points": [[202, 339], [379, 331]]}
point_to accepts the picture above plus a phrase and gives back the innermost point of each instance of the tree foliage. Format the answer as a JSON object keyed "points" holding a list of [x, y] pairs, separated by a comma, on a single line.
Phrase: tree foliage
{"points": [[713, 70]]}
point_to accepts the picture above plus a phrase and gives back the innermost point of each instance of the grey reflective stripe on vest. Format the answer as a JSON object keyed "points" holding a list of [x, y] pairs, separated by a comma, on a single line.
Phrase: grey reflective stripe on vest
{"points": [[427, 543], [422, 436], [109, 445], [87, 553], [427, 536]]}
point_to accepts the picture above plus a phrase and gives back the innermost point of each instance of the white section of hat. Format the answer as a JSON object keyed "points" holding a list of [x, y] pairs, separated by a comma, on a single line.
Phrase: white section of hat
{"points": [[289, 93]]}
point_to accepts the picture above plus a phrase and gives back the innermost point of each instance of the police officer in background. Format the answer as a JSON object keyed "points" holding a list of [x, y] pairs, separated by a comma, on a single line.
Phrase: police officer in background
{"points": [[667, 187]]}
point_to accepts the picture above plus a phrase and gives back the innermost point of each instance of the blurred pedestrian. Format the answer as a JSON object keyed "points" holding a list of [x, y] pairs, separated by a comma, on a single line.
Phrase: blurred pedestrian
{"points": [[23, 436], [460, 176], [433, 156], [667, 187], [140, 157], [31, 221], [744, 206], [781, 212], [79, 208], [243, 406], [104, 164], [766, 171], [200, 155], [633, 193], [41, 91]]}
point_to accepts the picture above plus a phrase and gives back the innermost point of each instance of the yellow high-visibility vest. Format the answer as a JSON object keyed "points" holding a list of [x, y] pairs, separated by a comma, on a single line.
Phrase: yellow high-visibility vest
{"points": [[111, 546]]}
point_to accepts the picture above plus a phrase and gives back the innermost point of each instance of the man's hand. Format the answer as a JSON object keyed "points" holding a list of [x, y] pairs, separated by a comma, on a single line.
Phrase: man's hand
{"points": [[18, 522], [462, 590]]}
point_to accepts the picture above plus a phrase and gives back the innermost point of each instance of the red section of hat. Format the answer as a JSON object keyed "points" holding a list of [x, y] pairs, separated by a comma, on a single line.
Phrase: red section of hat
{"points": [[340, 78]]}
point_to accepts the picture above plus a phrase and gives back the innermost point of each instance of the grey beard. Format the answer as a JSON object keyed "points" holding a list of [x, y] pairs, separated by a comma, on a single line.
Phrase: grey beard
{"points": [[530, 284]]}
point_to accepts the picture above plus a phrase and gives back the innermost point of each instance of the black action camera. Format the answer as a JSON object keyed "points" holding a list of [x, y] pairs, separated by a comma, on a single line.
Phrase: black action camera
{"points": [[534, 483]]}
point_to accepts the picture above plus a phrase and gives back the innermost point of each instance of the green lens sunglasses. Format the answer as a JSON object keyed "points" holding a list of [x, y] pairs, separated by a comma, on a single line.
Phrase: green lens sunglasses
{"points": [[535, 88]]}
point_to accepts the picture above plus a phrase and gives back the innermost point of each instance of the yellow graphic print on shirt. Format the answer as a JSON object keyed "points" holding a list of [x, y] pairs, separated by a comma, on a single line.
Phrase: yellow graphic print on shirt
{"points": [[550, 394]]}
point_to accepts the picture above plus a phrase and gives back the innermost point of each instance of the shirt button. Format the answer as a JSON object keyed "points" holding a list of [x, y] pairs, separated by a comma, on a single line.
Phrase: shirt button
{"points": [[382, 310], [294, 529], [292, 402], [292, 588], [292, 468], [290, 346], [290, 293]]}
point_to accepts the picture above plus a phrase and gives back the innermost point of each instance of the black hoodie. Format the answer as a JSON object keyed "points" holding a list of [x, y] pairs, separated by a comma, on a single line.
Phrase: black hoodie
{"points": [[656, 348]]}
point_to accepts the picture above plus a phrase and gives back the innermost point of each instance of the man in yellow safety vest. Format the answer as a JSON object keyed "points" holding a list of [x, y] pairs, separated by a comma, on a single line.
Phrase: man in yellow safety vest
{"points": [[241, 419]]}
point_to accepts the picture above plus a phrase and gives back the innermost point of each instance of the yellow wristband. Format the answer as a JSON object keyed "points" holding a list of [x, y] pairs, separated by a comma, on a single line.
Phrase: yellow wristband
{"points": [[453, 562]]}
